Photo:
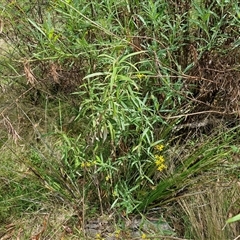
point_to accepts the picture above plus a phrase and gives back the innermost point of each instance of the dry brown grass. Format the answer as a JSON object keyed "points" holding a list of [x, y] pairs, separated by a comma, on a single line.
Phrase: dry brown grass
{"points": [[52, 223], [206, 213]]}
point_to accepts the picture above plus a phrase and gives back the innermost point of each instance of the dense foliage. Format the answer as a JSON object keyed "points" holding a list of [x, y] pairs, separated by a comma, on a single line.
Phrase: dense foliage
{"points": [[126, 105]]}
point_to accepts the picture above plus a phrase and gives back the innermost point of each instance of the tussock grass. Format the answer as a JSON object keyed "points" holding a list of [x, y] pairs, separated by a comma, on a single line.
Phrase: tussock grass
{"points": [[206, 213]]}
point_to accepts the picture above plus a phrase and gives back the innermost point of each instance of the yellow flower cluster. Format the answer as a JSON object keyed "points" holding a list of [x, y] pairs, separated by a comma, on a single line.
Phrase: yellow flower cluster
{"points": [[98, 237], [144, 236], [117, 233], [88, 164], [108, 177], [140, 76], [159, 147], [159, 159], [115, 193]]}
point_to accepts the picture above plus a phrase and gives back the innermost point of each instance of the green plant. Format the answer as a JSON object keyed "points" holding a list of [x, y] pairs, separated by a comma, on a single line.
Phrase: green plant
{"points": [[120, 124], [205, 211], [139, 71], [234, 219], [190, 168]]}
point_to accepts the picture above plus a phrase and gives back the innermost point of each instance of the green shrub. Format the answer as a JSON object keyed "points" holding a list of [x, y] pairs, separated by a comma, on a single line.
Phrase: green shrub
{"points": [[110, 83]]}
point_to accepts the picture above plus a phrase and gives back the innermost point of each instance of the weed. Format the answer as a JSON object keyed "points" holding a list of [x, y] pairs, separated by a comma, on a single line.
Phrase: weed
{"points": [[118, 105]]}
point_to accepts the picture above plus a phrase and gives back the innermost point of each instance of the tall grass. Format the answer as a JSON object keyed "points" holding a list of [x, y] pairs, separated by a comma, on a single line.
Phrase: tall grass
{"points": [[207, 212], [95, 94]]}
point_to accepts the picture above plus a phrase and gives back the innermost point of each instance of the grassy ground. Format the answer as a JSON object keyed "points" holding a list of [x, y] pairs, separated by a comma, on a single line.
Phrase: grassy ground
{"points": [[114, 110]]}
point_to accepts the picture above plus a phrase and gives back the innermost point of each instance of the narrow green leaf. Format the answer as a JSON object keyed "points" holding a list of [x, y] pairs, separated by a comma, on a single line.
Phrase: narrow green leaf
{"points": [[96, 74], [130, 55], [234, 219], [37, 27]]}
